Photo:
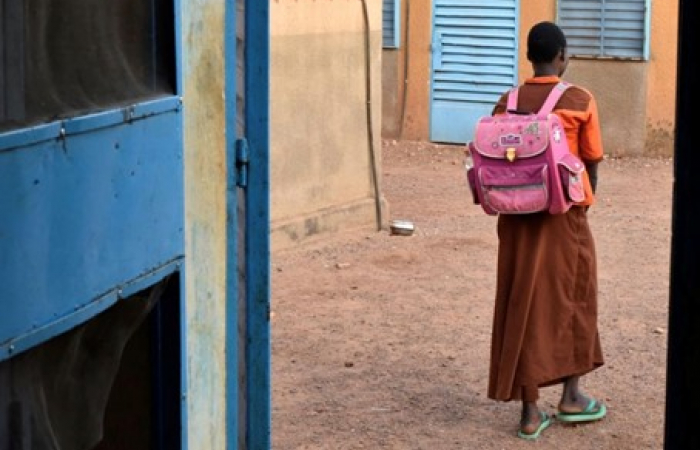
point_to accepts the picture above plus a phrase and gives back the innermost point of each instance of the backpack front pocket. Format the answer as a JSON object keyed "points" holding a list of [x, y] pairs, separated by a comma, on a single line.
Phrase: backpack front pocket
{"points": [[571, 175], [521, 191]]}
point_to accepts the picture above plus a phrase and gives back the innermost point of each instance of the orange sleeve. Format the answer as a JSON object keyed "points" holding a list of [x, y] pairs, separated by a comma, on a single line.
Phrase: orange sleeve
{"points": [[590, 142]]}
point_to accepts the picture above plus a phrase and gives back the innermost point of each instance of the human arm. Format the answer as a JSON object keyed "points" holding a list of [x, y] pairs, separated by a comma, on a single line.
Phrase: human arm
{"points": [[592, 169], [591, 143], [500, 106]]}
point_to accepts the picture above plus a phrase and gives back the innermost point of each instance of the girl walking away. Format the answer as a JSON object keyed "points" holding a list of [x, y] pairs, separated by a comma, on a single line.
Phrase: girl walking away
{"points": [[545, 328]]}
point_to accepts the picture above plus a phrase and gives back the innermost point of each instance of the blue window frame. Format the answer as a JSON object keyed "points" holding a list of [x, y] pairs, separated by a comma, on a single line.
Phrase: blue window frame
{"points": [[391, 20], [606, 28]]}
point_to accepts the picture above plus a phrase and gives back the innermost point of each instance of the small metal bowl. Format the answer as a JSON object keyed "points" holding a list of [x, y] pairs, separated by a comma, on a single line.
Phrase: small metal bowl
{"points": [[401, 227]]}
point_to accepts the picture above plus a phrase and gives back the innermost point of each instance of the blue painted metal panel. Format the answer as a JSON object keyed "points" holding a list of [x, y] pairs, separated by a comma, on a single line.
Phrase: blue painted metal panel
{"points": [[92, 213], [248, 226], [64, 323], [474, 60], [84, 214], [257, 224], [28, 136], [105, 119]]}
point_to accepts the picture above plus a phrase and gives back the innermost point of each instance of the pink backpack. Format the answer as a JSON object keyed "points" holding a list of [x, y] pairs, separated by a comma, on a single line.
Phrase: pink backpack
{"points": [[522, 163]]}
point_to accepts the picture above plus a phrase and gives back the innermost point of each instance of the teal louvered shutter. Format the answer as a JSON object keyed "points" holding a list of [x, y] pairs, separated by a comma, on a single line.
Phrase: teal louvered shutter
{"points": [[605, 28], [390, 23]]}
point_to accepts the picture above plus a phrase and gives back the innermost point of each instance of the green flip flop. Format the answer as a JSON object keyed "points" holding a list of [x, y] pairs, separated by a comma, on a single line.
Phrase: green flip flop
{"points": [[545, 422], [590, 414]]}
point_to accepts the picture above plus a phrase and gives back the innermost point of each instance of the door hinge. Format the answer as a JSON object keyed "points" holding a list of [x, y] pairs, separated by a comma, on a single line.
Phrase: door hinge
{"points": [[242, 160]]}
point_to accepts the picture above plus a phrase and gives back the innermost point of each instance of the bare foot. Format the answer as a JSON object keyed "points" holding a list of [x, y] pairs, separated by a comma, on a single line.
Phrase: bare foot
{"points": [[530, 421], [577, 405], [533, 429]]}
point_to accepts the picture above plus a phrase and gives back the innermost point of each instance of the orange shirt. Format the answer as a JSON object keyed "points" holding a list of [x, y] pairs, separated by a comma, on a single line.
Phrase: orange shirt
{"points": [[578, 112]]}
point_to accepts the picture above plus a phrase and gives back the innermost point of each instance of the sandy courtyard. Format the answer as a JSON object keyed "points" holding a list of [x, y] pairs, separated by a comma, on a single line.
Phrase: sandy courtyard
{"points": [[382, 342]]}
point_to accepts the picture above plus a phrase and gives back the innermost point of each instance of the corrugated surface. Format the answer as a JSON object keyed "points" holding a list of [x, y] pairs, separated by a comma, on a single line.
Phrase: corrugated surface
{"points": [[474, 62], [604, 27], [390, 24]]}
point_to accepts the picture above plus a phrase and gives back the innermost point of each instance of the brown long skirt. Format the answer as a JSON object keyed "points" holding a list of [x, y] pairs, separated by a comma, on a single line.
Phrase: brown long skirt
{"points": [[546, 310]]}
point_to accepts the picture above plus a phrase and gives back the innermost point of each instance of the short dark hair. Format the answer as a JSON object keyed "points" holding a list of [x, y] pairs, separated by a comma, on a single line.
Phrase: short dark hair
{"points": [[544, 42]]}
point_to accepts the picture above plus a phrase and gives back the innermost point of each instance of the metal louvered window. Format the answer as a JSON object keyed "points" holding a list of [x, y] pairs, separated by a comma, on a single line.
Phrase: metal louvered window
{"points": [[605, 28], [390, 23]]}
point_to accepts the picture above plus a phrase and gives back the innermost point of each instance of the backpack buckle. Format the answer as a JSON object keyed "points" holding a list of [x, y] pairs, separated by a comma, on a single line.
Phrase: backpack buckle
{"points": [[510, 154]]}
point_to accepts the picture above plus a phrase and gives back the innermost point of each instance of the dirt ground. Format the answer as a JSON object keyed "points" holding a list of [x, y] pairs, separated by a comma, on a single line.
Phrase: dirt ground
{"points": [[382, 342]]}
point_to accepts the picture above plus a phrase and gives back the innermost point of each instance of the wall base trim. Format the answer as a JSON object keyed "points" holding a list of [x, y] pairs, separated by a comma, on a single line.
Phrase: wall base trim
{"points": [[356, 215]]}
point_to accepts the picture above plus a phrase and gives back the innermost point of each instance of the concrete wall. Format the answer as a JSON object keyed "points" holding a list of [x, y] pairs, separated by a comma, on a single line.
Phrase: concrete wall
{"points": [[392, 101], [205, 231], [661, 86], [322, 175], [620, 90], [636, 98]]}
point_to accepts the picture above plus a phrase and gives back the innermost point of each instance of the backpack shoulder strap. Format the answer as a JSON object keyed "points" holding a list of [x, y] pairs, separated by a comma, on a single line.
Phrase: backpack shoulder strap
{"points": [[512, 100], [553, 97]]}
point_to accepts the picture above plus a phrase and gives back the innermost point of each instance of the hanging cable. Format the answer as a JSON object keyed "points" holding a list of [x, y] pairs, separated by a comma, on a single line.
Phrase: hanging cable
{"points": [[370, 127], [404, 94]]}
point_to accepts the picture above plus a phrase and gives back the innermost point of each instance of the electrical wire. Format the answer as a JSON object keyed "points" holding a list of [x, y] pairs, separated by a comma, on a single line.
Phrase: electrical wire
{"points": [[404, 94], [370, 127]]}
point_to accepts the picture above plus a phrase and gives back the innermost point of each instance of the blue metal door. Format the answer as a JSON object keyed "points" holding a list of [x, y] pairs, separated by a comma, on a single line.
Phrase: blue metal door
{"points": [[92, 203], [91, 177], [248, 226], [474, 60], [92, 194]]}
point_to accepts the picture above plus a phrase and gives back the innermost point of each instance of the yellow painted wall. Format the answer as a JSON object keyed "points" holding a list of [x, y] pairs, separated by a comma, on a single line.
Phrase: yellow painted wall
{"points": [[534, 13], [417, 77], [392, 89], [636, 98], [620, 90], [321, 165], [205, 238], [661, 87]]}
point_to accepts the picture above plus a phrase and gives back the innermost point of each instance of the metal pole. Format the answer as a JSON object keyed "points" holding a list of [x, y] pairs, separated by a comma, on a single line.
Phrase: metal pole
{"points": [[257, 242]]}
